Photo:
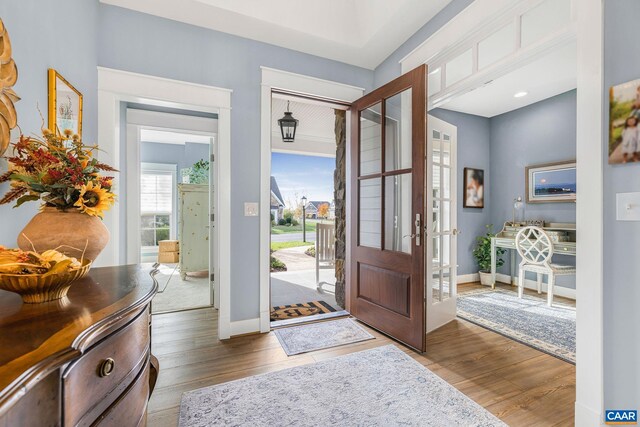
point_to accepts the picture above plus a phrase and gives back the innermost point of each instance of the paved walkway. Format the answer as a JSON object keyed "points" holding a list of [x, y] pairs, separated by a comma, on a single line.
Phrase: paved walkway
{"points": [[295, 259], [293, 237]]}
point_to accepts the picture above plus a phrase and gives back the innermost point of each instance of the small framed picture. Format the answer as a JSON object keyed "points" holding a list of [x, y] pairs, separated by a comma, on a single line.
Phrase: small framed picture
{"points": [[551, 182], [624, 123], [65, 105], [473, 188]]}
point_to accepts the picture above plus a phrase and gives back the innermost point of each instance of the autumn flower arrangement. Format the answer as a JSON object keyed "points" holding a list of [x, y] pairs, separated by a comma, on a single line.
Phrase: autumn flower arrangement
{"points": [[60, 170]]}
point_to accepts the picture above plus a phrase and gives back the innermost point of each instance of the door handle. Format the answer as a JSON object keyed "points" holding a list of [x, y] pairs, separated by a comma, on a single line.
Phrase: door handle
{"points": [[456, 231], [418, 231]]}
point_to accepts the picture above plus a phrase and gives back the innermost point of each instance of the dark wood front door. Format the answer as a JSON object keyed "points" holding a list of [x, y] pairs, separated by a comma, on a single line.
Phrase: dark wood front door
{"points": [[387, 178]]}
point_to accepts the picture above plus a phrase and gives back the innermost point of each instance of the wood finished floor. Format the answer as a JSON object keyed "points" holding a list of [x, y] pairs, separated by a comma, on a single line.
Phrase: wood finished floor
{"points": [[520, 385]]}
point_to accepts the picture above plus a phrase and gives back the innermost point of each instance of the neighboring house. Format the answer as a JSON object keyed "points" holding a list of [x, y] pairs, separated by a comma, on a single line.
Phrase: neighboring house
{"points": [[313, 207], [277, 204]]}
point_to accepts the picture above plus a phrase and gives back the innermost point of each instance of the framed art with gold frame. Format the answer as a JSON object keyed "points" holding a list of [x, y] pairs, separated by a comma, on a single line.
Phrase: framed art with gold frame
{"points": [[65, 104]]}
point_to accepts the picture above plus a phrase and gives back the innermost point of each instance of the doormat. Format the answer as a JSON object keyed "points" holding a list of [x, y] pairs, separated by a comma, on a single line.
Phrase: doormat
{"points": [[292, 311]]}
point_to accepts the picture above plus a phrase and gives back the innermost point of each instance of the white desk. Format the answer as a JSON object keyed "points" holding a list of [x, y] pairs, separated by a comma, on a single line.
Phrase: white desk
{"points": [[506, 240]]}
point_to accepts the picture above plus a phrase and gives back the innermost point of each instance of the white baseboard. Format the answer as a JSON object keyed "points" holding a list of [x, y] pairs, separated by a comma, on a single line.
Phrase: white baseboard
{"points": [[529, 284], [248, 326], [587, 417]]}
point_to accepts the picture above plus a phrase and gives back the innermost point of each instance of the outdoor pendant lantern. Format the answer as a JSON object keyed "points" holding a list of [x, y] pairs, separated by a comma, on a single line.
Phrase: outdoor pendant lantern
{"points": [[288, 126]]}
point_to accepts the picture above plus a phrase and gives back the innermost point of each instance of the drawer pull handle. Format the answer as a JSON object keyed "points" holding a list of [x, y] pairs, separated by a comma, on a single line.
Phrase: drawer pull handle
{"points": [[106, 367]]}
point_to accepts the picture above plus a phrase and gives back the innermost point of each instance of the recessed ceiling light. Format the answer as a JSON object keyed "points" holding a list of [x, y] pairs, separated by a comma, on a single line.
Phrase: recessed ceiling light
{"points": [[520, 94]]}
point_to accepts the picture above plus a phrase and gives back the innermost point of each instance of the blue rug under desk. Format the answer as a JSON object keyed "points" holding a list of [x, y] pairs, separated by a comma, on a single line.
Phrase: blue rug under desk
{"points": [[529, 320]]}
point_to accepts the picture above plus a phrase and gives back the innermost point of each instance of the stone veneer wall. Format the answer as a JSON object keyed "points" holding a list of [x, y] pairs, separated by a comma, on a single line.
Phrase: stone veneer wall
{"points": [[339, 196]]}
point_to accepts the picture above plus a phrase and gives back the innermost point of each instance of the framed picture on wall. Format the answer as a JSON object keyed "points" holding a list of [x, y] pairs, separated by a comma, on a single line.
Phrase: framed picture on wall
{"points": [[551, 182], [473, 188], [65, 105], [624, 123]]}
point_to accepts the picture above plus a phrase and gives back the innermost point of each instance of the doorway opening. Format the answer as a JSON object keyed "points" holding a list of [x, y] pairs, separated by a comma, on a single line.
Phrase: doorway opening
{"points": [[172, 194], [303, 213]]}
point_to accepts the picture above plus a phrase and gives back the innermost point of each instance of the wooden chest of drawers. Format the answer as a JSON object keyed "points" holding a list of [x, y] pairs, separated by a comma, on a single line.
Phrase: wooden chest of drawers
{"points": [[85, 360]]}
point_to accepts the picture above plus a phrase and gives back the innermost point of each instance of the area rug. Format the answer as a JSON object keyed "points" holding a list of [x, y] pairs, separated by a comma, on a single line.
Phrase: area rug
{"points": [[291, 311], [379, 387], [528, 320], [316, 336]]}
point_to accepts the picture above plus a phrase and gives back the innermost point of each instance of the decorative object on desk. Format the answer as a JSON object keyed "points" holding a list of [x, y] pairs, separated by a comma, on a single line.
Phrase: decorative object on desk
{"points": [[473, 188], [39, 277], [60, 171], [624, 122], [196, 174], [482, 254], [551, 182], [518, 207], [8, 78], [65, 105]]}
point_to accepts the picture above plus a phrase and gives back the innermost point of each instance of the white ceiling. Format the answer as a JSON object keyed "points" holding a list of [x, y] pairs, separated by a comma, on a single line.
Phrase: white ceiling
{"points": [[357, 32], [315, 133], [550, 75]]}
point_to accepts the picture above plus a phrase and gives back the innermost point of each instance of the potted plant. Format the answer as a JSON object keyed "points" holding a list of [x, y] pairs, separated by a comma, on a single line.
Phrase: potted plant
{"points": [[61, 172], [482, 254]]}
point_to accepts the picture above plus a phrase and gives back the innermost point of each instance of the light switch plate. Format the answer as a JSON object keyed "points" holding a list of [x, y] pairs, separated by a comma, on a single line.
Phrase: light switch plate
{"points": [[250, 209], [628, 206]]}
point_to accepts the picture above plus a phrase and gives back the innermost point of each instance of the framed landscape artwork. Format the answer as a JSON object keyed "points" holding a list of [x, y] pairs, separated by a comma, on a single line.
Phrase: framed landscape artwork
{"points": [[551, 182], [65, 104], [624, 123], [473, 188]]}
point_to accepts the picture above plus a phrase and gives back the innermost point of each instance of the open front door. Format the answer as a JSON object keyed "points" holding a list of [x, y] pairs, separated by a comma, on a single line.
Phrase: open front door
{"points": [[387, 177]]}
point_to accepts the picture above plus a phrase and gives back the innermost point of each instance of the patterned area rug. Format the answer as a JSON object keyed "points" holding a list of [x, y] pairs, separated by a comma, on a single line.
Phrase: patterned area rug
{"points": [[291, 311], [379, 387], [528, 320], [316, 336]]}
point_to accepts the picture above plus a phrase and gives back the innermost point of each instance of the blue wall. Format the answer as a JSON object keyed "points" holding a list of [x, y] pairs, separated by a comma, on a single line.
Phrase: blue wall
{"points": [[543, 132], [44, 35], [182, 155], [146, 44], [621, 239], [474, 139]]}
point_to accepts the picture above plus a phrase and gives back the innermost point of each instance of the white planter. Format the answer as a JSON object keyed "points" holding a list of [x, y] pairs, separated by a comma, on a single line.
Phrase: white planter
{"points": [[485, 278]]}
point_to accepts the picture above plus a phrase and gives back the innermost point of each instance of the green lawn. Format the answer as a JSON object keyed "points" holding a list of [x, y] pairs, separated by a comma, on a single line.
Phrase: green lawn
{"points": [[276, 246], [310, 225]]}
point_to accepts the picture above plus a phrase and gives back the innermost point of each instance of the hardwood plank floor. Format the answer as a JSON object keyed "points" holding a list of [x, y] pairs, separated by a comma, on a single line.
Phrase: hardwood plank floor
{"points": [[518, 384]]}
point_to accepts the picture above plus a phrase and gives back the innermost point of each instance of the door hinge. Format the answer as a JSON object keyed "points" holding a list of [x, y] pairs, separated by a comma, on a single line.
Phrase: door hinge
{"points": [[213, 217], [212, 277], [213, 157]]}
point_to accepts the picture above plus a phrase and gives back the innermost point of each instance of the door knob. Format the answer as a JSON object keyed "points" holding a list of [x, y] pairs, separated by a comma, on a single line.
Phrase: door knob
{"points": [[456, 231]]}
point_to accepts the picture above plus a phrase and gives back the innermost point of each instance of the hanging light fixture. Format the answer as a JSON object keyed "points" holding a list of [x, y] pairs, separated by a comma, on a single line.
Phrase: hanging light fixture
{"points": [[288, 126]]}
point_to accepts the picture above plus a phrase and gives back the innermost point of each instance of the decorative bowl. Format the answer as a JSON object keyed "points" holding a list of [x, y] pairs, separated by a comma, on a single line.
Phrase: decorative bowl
{"points": [[37, 288]]}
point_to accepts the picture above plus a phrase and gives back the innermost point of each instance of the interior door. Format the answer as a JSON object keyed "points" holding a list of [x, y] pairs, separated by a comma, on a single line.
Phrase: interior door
{"points": [[387, 177], [441, 224]]}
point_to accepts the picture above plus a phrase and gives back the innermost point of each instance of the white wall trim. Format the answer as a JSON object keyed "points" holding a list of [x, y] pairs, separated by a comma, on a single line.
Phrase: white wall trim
{"points": [[277, 79], [590, 215], [528, 284], [247, 326], [115, 86]]}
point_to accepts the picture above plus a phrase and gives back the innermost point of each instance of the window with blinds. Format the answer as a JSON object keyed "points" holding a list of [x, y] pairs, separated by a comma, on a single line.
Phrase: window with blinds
{"points": [[156, 206]]}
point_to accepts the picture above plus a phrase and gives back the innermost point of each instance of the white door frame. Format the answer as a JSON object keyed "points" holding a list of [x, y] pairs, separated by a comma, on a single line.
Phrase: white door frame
{"points": [[136, 120], [115, 86], [297, 83], [589, 18]]}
